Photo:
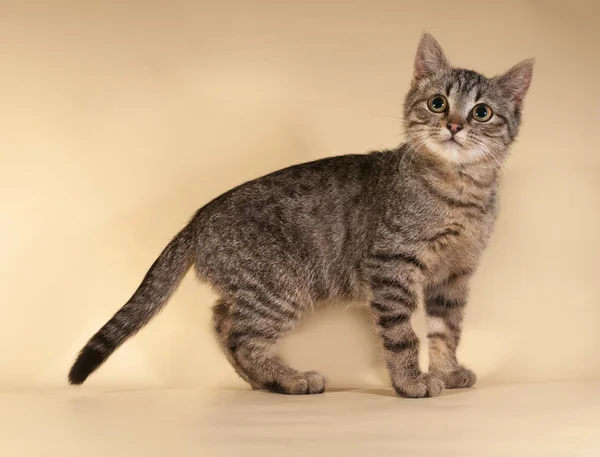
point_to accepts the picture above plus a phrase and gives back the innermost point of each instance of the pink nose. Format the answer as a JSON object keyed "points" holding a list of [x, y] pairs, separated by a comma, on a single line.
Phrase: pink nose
{"points": [[454, 127]]}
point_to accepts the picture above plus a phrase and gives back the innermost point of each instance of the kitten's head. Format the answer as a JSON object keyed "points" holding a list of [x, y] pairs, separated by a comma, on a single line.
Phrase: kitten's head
{"points": [[459, 114]]}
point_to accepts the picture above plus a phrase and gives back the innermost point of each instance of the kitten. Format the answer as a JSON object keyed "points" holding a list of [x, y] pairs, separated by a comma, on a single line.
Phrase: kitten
{"points": [[388, 227]]}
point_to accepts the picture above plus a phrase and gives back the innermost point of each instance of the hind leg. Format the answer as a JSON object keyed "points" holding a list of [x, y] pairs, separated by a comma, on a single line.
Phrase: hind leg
{"points": [[249, 332], [222, 327], [273, 374]]}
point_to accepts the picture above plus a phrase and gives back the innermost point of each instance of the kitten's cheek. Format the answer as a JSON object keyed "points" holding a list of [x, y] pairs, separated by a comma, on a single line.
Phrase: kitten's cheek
{"points": [[445, 135], [462, 135]]}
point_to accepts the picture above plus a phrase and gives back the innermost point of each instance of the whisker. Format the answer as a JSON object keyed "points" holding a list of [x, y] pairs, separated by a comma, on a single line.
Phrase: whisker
{"points": [[383, 145]]}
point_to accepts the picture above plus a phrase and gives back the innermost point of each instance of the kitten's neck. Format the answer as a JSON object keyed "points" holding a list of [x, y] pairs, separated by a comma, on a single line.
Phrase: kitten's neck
{"points": [[481, 173]]}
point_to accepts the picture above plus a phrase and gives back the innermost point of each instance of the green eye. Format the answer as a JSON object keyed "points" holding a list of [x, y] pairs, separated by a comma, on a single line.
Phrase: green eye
{"points": [[482, 112], [437, 104]]}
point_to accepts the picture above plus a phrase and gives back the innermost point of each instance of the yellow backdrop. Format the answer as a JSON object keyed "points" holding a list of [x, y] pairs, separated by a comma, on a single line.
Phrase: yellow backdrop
{"points": [[119, 119]]}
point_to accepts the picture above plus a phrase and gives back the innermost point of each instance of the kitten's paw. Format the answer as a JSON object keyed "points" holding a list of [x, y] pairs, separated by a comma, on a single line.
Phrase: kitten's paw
{"points": [[426, 385], [309, 382], [316, 382], [458, 379]]}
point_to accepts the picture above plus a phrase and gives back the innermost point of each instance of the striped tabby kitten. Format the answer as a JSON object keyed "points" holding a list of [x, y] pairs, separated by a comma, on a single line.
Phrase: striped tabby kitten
{"points": [[388, 227]]}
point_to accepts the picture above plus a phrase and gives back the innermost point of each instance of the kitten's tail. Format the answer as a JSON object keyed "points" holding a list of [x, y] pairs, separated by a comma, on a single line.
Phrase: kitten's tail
{"points": [[158, 285]]}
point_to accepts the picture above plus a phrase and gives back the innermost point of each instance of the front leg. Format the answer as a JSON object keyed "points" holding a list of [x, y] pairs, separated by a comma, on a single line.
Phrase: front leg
{"points": [[444, 306], [395, 298]]}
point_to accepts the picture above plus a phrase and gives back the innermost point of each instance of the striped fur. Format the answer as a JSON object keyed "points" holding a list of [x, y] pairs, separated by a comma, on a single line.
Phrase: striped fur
{"points": [[390, 227]]}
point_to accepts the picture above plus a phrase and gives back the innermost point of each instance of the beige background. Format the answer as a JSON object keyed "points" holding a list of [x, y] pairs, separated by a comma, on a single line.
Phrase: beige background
{"points": [[118, 119]]}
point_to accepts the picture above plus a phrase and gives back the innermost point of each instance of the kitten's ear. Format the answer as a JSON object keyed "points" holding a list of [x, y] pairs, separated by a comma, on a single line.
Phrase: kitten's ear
{"points": [[430, 59], [515, 82]]}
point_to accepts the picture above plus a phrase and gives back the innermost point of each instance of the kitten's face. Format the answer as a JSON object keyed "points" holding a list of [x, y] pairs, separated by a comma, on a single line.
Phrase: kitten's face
{"points": [[459, 114]]}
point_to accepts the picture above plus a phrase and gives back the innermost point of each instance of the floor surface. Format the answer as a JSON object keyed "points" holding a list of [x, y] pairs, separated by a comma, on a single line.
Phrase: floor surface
{"points": [[504, 420]]}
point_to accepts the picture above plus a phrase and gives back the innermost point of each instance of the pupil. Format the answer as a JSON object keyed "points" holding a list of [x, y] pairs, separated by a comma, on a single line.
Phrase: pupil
{"points": [[482, 111], [438, 103]]}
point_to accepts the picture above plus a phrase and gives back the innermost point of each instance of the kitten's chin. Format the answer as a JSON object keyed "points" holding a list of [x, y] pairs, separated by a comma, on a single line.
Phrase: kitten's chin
{"points": [[450, 150], [453, 151]]}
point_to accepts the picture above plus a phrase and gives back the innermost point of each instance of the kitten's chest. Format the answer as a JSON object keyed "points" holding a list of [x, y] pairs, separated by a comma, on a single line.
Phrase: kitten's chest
{"points": [[460, 219], [445, 218], [457, 234], [457, 240]]}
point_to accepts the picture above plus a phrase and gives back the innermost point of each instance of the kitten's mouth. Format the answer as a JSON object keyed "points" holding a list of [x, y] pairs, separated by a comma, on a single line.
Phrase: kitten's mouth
{"points": [[452, 141]]}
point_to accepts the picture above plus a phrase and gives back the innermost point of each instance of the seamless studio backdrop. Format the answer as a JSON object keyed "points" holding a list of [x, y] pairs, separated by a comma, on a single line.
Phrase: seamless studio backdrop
{"points": [[120, 119]]}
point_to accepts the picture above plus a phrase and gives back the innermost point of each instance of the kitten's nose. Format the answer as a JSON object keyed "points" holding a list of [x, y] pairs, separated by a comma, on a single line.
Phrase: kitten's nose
{"points": [[454, 127]]}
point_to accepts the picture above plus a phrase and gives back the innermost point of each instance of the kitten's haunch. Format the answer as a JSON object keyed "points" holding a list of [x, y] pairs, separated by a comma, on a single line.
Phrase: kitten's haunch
{"points": [[388, 228]]}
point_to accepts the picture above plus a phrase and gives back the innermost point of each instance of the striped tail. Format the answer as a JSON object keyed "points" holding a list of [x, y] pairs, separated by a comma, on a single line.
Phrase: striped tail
{"points": [[158, 285]]}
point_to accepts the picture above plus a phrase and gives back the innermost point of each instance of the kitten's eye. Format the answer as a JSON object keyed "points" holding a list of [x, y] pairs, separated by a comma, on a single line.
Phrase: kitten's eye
{"points": [[437, 104], [482, 112]]}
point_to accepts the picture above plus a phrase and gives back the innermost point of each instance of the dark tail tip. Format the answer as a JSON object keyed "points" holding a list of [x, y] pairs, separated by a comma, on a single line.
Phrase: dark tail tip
{"points": [[87, 361]]}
